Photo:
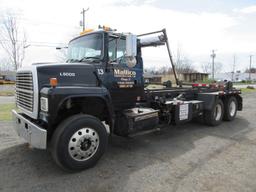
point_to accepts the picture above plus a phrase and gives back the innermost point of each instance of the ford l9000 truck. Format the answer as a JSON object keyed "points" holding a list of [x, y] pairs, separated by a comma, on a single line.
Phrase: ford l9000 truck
{"points": [[71, 108]]}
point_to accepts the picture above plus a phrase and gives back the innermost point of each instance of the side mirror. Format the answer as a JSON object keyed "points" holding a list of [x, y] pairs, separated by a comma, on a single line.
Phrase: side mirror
{"points": [[131, 45]]}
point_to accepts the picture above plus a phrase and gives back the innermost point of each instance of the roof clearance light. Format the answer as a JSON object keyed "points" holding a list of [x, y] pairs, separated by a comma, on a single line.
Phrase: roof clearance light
{"points": [[86, 31], [106, 28]]}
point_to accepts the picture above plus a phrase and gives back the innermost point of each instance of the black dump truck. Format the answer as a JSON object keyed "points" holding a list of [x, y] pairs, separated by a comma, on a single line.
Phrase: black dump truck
{"points": [[72, 108]]}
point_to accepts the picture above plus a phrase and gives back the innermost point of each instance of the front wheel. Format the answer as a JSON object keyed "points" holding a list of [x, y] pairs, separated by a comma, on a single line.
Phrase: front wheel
{"points": [[79, 142], [214, 117]]}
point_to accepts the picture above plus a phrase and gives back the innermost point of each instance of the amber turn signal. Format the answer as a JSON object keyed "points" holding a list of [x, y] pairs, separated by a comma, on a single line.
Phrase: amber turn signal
{"points": [[53, 82]]}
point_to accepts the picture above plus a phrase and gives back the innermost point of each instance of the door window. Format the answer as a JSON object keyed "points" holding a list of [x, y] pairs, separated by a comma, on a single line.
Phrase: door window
{"points": [[116, 48]]}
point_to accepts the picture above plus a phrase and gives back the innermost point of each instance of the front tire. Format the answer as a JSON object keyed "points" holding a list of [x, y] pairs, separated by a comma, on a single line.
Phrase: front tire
{"points": [[79, 142], [214, 117]]}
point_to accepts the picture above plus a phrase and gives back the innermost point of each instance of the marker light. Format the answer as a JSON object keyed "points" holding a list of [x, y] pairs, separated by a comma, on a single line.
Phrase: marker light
{"points": [[106, 28], [86, 31], [53, 82]]}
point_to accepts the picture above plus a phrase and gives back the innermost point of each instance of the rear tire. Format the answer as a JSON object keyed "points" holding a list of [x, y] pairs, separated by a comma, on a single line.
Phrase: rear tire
{"points": [[215, 116], [230, 109], [79, 142]]}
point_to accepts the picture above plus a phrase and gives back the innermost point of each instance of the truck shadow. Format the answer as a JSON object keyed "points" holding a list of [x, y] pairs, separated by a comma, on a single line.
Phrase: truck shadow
{"points": [[34, 170]]}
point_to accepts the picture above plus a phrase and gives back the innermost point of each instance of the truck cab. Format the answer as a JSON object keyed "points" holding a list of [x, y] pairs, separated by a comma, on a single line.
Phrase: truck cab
{"points": [[115, 69]]}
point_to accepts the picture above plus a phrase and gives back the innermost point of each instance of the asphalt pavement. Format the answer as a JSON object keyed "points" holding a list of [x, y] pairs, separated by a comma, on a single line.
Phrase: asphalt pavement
{"points": [[191, 157]]}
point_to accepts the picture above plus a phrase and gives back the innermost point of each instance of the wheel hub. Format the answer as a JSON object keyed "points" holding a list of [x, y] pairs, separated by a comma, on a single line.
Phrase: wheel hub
{"points": [[86, 144], [83, 144], [217, 112], [232, 108]]}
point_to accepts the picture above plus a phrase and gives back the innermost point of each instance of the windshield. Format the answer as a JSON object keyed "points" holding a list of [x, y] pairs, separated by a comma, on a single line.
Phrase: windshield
{"points": [[86, 47]]}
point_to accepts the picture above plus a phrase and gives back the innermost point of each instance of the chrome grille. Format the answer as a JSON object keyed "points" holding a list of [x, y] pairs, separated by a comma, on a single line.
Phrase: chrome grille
{"points": [[25, 90]]}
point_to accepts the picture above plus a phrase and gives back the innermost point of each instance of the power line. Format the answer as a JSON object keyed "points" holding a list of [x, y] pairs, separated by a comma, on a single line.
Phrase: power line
{"points": [[34, 42], [34, 45], [29, 21]]}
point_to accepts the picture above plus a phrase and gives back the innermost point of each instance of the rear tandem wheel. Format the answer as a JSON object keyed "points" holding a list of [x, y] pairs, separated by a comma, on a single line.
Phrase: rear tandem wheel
{"points": [[230, 109], [214, 117]]}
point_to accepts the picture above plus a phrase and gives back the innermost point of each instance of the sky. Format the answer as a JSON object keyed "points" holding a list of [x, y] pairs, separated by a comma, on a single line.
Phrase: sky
{"points": [[194, 26]]}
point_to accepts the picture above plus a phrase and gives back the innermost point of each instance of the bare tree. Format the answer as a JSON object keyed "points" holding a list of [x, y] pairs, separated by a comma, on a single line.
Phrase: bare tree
{"points": [[4, 65], [62, 55], [12, 40], [182, 63], [218, 67], [206, 67]]}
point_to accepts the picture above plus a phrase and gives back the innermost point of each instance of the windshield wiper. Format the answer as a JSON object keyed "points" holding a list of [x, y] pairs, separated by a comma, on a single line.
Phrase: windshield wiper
{"points": [[72, 60], [93, 59], [117, 60]]}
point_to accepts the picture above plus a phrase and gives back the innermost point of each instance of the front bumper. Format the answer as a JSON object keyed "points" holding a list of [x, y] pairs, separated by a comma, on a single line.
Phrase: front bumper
{"points": [[32, 133]]}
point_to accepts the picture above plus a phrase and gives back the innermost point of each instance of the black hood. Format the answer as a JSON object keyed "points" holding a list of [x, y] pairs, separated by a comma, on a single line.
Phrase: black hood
{"points": [[73, 74]]}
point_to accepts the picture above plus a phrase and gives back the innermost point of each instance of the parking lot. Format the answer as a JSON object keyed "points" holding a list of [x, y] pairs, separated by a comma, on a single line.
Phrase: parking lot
{"points": [[191, 157]]}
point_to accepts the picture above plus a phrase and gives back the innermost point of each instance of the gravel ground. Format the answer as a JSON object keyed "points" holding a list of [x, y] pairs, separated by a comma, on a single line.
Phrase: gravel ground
{"points": [[190, 157]]}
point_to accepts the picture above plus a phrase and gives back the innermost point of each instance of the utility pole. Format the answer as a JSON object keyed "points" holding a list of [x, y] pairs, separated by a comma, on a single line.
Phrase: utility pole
{"points": [[250, 67], [213, 55], [234, 65], [83, 20]]}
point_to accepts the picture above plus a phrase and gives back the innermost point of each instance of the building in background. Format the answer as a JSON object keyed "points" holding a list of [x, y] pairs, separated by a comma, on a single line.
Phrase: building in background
{"points": [[235, 77], [150, 78], [185, 77], [194, 77], [8, 75]]}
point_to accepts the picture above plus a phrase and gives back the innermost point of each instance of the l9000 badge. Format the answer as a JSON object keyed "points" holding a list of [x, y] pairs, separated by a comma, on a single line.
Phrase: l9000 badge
{"points": [[67, 74]]}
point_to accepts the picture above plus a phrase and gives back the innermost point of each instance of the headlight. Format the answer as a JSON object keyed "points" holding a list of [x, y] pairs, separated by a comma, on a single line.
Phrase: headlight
{"points": [[44, 104]]}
